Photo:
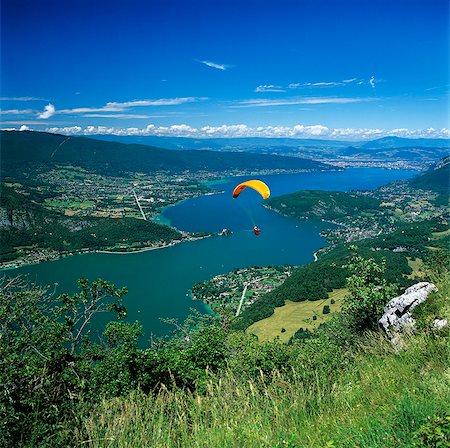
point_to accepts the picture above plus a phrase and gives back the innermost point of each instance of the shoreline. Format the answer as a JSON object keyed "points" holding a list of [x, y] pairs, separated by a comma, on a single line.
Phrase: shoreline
{"points": [[51, 255], [54, 257]]}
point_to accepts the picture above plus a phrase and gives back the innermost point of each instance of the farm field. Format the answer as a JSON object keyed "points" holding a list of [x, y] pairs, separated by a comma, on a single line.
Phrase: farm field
{"points": [[295, 315]]}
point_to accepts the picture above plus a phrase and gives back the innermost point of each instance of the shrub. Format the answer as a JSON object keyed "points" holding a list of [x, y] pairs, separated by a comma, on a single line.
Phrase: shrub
{"points": [[326, 309]]}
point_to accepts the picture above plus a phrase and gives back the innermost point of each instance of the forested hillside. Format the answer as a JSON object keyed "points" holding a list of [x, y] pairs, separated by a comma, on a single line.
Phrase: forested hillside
{"points": [[323, 204], [436, 179], [25, 225], [30, 149]]}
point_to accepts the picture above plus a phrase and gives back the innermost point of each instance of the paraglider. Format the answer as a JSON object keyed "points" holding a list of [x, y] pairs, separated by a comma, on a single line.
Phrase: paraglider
{"points": [[258, 186]]}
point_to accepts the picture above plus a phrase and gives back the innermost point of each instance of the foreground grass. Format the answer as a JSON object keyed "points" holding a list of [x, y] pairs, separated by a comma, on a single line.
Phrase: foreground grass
{"points": [[379, 402], [294, 315]]}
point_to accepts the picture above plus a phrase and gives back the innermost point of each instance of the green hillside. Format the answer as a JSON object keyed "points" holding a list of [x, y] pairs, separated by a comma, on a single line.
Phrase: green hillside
{"points": [[27, 149], [26, 225], [322, 204], [343, 385], [436, 179]]}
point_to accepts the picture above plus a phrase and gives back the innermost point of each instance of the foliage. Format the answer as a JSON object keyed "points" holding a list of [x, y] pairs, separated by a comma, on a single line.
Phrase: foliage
{"points": [[434, 433], [323, 204], [42, 374], [369, 293], [326, 309]]}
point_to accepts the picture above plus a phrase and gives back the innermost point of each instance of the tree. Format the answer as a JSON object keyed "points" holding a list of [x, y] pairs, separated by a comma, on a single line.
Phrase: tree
{"points": [[326, 309], [43, 372], [369, 293]]}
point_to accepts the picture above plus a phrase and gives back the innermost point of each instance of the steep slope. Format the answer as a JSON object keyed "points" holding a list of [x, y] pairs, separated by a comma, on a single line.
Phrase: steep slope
{"points": [[436, 179]]}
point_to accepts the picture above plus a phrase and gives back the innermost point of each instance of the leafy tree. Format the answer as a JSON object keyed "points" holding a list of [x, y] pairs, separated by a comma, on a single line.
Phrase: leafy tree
{"points": [[369, 293], [43, 372], [326, 309]]}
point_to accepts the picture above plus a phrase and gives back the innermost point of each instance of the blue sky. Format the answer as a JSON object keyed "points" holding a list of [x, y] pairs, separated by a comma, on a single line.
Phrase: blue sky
{"points": [[328, 69]]}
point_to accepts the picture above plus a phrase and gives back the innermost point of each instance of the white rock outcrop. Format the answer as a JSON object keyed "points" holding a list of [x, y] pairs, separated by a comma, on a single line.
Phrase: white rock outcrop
{"points": [[397, 313], [439, 324]]}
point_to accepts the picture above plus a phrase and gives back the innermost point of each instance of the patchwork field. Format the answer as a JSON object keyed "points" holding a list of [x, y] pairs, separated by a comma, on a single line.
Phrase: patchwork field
{"points": [[295, 315]]}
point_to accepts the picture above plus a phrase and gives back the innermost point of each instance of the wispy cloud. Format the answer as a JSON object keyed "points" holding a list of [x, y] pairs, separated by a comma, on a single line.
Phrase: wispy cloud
{"points": [[214, 65], [294, 101], [16, 112], [125, 116], [124, 106], [21, 98], [48, 112], [437, 87], [322, 84], [269, 88], [242, 130]]}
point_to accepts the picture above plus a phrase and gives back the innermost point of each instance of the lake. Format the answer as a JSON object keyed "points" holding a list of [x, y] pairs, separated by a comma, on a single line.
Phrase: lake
{"points": [[159, 281]]}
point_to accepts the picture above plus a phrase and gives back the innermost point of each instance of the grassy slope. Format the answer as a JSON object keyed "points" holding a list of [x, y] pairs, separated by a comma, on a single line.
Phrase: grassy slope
{"points": [[378, 400], [294, 315]]}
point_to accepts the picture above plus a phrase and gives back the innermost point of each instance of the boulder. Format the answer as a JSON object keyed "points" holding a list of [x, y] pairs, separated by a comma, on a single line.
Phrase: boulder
{"points": [[439, 324], [397, 313]]}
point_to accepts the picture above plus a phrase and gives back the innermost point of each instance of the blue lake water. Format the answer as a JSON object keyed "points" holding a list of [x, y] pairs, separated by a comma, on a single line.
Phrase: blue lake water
{"points": [[158, 281]]}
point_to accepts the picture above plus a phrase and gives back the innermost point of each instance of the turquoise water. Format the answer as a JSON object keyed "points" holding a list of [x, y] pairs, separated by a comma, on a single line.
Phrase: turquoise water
{"points": [[158, 281]]}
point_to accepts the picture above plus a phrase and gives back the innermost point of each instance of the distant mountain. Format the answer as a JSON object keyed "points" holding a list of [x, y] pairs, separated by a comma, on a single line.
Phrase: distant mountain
{"points": [[398, 142], [221, 144], [252, 143], [436, 178], [422, 152], [29, 148]]}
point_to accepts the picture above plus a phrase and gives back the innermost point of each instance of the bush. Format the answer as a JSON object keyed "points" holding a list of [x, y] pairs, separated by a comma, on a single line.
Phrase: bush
{"points": [[326, 310], [369, 293]]}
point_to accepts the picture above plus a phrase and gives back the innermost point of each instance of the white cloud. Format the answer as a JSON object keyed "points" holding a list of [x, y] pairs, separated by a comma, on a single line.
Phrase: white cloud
{"points": [[294, 101], [242, 130], [24, 128], [372, 82], [124, 106], [121, 116], [21, 98], [215, 65], [344, 82], [269, 88], [16, 111], [49, 111]]}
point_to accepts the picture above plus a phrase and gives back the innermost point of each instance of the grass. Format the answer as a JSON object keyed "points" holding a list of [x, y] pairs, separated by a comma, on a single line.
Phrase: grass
{"points": [[379, 403], [417, 266], [294, 315], [373, 398], [439, 235]]}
